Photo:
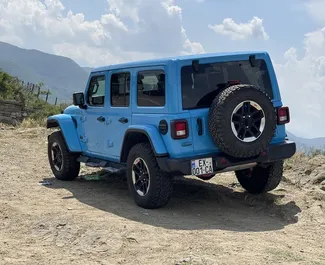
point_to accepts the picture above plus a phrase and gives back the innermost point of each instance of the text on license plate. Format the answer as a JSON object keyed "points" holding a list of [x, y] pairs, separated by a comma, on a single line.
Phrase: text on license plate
{"points": [[202, 166]]}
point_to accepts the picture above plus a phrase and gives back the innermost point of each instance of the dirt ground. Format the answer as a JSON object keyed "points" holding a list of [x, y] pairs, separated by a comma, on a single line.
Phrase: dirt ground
{"points": [[96, 221]]}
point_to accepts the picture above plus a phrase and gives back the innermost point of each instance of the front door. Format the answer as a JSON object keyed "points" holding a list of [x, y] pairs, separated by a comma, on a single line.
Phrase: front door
{"points": [[94, 119], [120, 110]]}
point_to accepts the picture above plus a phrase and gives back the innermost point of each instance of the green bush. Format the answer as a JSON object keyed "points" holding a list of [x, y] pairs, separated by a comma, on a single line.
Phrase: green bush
{"points": [[11, 88]]}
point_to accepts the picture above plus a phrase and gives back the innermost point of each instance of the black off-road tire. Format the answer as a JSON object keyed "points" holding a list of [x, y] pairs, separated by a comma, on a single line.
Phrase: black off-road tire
{"points": [[161, 183], [261, 179], [70, 167], [219, 121]]}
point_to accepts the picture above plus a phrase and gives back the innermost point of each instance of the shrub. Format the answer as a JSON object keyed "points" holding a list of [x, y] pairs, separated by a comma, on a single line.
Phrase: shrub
{"points": [[11, 88]]}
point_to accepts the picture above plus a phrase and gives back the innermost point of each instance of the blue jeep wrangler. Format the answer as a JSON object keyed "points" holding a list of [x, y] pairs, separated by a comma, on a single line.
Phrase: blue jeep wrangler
{"points": [[192, 115]]}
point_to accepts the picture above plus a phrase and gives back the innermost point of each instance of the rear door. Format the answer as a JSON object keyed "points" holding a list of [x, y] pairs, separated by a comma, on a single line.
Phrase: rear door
{"points": [[200, 89], [202, 140]]}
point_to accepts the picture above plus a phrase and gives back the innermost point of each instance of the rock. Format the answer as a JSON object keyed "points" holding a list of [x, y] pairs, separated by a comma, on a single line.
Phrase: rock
{"points": [[61, 224], [318, 178], [308, 171]]}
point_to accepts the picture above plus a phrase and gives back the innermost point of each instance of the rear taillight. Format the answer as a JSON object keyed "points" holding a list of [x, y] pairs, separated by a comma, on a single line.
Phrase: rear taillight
{"points": [[179, 129], [283, 115]]}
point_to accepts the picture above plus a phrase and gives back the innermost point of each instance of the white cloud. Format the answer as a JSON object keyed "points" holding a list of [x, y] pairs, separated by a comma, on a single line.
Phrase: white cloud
{"points": [[54, 6], [316, 9], [33, 21], [191, 47], [112, 20], [127, 31], [253, 29], [302, 84], [125, 8], [94, 55]]}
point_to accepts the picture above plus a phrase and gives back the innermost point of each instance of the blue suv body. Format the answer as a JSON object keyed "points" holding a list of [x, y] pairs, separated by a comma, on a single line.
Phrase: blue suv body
{"points": [[191, 115]]}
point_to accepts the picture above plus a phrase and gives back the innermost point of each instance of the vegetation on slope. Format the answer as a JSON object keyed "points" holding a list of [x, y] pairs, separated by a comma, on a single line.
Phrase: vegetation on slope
{"points": [[11, 88]]}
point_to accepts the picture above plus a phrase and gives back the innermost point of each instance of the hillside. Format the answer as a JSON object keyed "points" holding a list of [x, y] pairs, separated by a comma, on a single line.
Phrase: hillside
{"points": [[61, 75], [305, 144]]}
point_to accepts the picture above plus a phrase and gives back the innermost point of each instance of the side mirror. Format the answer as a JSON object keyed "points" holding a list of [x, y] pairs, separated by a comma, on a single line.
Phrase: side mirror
{"points": [[79, 99]]}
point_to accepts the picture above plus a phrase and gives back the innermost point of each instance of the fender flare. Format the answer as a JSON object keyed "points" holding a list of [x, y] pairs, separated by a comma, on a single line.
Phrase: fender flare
{"points": [[154, 137], [68, 127]]}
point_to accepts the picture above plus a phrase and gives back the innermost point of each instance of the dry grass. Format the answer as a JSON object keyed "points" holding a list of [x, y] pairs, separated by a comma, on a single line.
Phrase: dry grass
{"points": [[32, 123]]}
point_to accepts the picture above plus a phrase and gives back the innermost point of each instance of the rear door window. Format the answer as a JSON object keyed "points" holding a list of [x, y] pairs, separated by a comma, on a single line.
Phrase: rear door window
{"points": [[151, 88], [199, 89]]}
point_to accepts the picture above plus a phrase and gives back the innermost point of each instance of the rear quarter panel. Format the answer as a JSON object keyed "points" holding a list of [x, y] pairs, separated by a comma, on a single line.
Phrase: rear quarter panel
{"points": [[175, 148]]}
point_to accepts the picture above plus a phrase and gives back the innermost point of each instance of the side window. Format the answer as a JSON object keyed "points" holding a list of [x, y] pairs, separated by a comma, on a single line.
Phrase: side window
{"points": [[151, 88], [120, 90], [96, 91]]}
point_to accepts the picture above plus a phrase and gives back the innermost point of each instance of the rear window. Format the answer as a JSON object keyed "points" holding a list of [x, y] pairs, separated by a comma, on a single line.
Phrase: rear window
{"points": [[199, 89]]}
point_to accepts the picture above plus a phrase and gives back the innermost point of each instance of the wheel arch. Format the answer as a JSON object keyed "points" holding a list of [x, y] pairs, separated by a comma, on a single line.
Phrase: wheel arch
{"points": [[135, 135], [68, 128]]}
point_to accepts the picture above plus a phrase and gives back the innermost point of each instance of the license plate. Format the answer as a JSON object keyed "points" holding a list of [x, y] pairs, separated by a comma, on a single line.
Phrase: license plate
{"points": [[202, 166]]}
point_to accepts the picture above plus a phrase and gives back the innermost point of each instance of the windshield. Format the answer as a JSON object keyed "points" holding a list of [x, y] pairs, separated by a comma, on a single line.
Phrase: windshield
{"points": [[199, 89]]}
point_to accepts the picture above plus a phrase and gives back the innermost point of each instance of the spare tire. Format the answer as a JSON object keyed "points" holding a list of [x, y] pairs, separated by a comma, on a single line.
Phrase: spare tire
{"points": [[242, 121]]}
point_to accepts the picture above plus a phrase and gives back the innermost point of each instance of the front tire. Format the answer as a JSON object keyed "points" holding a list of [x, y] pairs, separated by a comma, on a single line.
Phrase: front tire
{"points": [[150, 187], [63, 163], [261, 179]]}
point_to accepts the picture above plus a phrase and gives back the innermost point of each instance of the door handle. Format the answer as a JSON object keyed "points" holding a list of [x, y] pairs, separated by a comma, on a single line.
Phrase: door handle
{"points": [[123, 120], [101, 119]]}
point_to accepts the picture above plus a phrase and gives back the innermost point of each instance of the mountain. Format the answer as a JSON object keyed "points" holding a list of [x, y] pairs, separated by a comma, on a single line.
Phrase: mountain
{"points": [[305, 144], [61, 75]]}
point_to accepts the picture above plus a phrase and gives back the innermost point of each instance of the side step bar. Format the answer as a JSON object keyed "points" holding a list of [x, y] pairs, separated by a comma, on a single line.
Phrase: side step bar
{"points": [[109, 166]]}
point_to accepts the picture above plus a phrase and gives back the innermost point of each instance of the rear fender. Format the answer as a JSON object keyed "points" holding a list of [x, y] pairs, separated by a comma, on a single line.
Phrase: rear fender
{"points": [[151, 133], [68, 127]]}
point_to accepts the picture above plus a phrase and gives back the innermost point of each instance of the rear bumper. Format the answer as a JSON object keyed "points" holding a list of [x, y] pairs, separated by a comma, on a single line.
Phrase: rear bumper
{"points": [[223, 162]]}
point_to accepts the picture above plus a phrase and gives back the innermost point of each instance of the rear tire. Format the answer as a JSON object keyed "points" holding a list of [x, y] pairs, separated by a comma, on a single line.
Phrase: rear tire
{"points": [[261, 179], [64, 164], [150, 187]]}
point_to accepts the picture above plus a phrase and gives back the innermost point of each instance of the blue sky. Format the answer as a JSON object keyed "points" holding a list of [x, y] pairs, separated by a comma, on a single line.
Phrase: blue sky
{"points": [[99, 32]]}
